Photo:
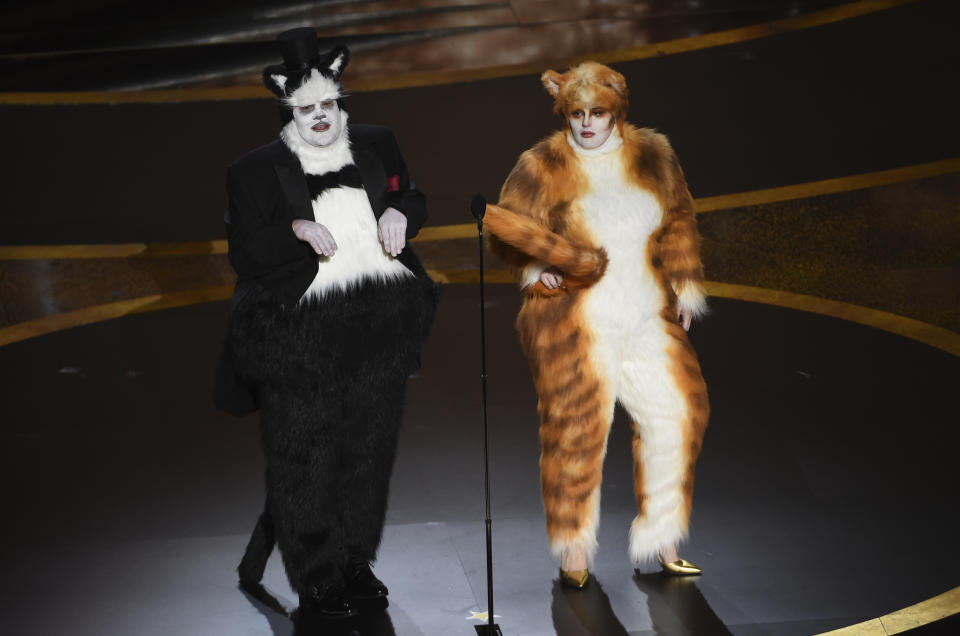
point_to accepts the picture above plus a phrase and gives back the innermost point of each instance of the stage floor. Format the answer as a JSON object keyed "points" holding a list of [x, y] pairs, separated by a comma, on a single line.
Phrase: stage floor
{"points": [[825, 491]]}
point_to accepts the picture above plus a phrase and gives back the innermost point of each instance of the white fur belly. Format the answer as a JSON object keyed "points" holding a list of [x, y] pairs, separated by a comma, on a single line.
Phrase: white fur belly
{"points": [[347, 215], [621, 218]]}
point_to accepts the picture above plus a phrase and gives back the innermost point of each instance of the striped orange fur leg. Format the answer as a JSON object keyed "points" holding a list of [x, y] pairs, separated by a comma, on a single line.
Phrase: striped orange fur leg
{"points": [[573, 446], [576, 410]]}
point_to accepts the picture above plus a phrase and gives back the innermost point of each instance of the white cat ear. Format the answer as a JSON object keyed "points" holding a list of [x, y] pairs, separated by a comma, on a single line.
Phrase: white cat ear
{"points": [[276, 83], [552, 81], [337, 60], [279, 80], [337, 64]]}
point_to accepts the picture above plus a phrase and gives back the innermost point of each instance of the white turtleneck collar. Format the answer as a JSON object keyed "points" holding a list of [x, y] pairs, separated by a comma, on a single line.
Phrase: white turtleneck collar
{"points": [[613, 142], [314, 159]]}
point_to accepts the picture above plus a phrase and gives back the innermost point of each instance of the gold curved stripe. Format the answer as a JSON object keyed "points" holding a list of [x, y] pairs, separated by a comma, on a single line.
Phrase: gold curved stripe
{"points": [[934, 609], [917, 330], [828, 186], [497, 276], [188, 248], [926, 333], [111, 250], [447, 232], [411, 80], [99, 313], [469, 230]]}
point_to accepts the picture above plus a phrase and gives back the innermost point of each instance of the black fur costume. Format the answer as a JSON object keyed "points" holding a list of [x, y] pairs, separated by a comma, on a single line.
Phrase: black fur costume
{"points": [[327, 372], [332, 376]]}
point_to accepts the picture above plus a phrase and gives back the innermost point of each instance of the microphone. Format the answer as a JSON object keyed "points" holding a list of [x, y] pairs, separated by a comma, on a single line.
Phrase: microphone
{"points": [[478, 206]]}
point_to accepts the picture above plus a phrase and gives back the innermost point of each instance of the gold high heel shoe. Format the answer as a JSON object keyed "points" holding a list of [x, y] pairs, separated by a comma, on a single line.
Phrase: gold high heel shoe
{"points": [[575, 578], [680, 567]]}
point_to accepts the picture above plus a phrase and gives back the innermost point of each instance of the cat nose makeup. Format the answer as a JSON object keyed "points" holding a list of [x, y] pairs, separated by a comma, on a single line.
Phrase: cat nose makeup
{"points": [[321, 118]]}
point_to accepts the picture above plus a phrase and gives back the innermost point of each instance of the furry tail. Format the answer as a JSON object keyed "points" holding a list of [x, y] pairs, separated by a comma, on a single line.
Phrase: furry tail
{"points": [[258, 550], [534, 239]]}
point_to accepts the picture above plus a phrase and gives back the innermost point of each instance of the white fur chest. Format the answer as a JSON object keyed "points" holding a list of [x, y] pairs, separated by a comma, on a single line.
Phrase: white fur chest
{"points": [[346, 213], [621, 217]]}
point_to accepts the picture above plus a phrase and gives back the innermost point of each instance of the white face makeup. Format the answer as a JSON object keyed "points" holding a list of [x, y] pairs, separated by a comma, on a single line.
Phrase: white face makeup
{"points": [[319, 124], [591, 127]]}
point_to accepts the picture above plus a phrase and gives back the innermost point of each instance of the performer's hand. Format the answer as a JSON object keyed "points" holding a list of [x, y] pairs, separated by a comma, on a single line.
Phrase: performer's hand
{"points": [[317, 235], [684, 317], [552, 278], [393, 231]]}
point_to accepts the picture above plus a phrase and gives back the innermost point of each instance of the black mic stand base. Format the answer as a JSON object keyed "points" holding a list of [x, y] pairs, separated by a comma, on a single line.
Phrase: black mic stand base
{"points": [[489, 630]]}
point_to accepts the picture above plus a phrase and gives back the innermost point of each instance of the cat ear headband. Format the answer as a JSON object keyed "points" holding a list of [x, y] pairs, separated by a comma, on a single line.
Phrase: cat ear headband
{"points": [[306, 75]]}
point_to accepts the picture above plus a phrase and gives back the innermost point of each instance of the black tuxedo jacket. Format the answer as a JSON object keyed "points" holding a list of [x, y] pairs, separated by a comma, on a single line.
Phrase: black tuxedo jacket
{"points": [[267, 191]]}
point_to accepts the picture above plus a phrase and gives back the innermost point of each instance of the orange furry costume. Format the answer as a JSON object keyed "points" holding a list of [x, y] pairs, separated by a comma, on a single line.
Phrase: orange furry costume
{"points": [[618, 221]]}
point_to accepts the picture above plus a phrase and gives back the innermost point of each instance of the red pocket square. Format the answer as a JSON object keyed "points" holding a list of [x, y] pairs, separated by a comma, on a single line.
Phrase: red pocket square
{"points": [[393, 183]]}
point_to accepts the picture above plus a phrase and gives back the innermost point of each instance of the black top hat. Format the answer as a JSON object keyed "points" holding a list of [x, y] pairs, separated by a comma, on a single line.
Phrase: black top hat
{"points": [[300, 48]]}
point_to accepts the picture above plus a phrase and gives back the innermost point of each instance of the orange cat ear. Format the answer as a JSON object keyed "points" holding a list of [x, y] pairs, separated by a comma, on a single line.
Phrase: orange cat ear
{"points": [[619, 84], [616, 81], [552, 82]]}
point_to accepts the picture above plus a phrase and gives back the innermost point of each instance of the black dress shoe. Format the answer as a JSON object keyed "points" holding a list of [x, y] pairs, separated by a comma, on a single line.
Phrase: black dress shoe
{"points": [[327, 602], [361, 582]]}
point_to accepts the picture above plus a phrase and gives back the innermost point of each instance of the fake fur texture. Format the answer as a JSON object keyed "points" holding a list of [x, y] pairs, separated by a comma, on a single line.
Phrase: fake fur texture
{"points": [[611, 334]]}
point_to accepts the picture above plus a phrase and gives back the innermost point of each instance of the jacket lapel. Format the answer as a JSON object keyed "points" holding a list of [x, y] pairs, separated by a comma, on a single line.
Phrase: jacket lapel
{"points": [[294, 184], [374, 178]]}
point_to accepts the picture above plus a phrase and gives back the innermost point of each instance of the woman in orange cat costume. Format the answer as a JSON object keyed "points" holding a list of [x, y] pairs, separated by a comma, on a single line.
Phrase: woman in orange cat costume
{"points": [[598, 227]]}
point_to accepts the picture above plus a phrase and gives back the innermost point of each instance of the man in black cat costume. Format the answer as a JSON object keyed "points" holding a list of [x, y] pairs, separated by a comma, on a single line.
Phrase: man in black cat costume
{"points": [[328, 316]]}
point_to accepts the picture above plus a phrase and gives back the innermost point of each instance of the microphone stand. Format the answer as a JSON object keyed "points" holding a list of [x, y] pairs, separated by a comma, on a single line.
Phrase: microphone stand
{"points": [[478, 206]]}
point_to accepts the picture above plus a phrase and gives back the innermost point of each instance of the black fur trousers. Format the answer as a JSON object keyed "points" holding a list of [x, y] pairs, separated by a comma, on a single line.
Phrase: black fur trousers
{"points": [[332, 377], [329, 458]]}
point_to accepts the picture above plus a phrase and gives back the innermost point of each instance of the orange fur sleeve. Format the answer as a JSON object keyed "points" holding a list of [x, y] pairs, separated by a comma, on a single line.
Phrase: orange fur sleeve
{"points": [[584, 264], [679, 240], [519, 194], [525, 226]]}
